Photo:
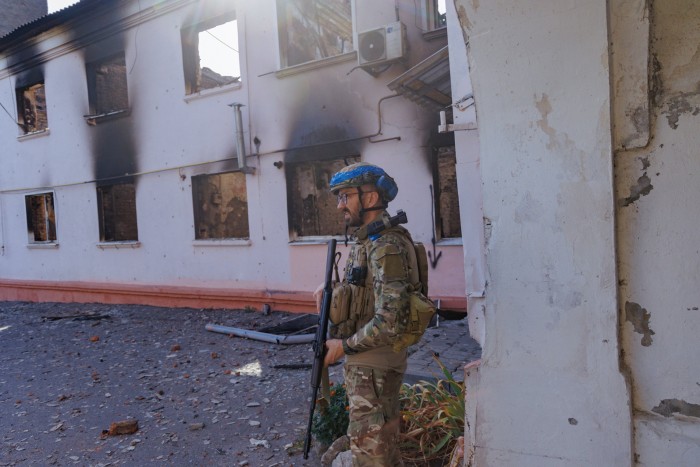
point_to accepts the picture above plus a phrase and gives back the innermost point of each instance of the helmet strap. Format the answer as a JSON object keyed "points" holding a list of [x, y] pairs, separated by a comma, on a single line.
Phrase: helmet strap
{"points": [[363, 210]]}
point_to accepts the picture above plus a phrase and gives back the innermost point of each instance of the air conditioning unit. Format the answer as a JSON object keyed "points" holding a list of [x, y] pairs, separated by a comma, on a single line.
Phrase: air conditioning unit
{"points": [[381, 45]]}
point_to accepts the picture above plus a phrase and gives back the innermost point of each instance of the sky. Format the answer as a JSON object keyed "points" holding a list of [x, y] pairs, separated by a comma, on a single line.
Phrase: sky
{"points": [[215, 52], [55, 5]]}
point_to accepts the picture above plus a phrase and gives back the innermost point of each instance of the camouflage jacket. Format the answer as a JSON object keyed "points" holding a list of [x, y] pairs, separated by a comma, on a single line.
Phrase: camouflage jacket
{"points": [[391, 273]]}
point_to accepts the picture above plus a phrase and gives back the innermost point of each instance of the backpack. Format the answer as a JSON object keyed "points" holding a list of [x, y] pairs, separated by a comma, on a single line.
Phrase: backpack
{"points": [[422, 309]]}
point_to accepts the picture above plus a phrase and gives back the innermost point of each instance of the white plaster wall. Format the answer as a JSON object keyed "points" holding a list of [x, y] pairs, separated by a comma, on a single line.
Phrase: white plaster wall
{"points": [[658, 207], [171, 131], [549, 388]]}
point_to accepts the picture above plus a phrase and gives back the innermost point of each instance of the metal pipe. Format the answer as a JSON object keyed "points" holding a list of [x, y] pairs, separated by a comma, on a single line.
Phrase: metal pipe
{"points": [[262, 336], [240, 141]]}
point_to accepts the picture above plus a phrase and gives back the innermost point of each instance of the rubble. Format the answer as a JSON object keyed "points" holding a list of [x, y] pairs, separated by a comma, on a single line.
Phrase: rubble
{"points": [[196, 397]]}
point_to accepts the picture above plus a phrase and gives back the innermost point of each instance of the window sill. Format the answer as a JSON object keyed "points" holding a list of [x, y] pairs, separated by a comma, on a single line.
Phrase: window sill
{"points": [[100, 118], [222, 242], [118, 245], [33, 134], [308, 66], [450, 242], [213, 91], [435, 34], [43, 246]]}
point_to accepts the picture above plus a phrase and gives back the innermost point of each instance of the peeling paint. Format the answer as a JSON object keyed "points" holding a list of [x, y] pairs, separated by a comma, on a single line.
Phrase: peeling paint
{"points": [[679, 105], [668, 407], [643, 186], [639, 317], [545, 108]]}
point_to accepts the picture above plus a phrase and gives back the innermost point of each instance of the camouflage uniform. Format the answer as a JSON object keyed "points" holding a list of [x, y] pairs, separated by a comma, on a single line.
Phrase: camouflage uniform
{"points": [[373, 369]]}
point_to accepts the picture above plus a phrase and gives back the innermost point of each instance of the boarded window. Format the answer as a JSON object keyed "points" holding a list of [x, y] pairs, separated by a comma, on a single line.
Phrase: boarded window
{"points": [[41, 218], [116, 206], [107, 85], [220, 206], [210, 56], [312, 208], [31, 108], [447, 200], [313, 29]]}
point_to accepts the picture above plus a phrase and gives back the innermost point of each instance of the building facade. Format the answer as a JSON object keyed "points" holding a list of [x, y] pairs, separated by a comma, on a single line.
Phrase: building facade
{"points": [[143, 165]]}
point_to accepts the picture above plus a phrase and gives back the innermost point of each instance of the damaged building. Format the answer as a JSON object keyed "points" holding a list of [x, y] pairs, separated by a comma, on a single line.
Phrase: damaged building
{"points": [[178, 152]]}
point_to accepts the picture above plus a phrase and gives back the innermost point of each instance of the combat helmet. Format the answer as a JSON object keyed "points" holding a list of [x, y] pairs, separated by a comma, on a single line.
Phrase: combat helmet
{"points": [[364, 173]]}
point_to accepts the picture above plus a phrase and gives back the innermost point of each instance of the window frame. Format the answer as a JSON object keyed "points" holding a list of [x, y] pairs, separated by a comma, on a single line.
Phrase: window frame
{"points": [[51, 228], [96, 113], [20, 92], [103, 231], [189, 41], [437, 188], [198, 192], [284, 66], [296, 220]]}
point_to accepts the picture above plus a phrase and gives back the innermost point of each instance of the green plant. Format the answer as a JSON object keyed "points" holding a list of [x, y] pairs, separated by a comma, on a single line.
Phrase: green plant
{"points": [[432, 418], [331, 420]]}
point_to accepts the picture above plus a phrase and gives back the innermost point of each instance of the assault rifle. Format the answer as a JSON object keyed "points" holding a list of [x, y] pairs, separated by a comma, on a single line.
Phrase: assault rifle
{"points": [[377, 226], [319, 345]]}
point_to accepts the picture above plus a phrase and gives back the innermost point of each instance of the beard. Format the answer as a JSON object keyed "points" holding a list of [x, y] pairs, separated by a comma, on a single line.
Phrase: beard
{"points": [[352, 219]]}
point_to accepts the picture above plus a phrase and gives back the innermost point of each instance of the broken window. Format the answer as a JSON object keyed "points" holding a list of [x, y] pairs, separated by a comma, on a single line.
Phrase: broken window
{"points": [[107, 85], [210, 56], [41, 218], [220, 206], [313, 29], [311, 206], [116, 205], [447, 218], [31, 108]]}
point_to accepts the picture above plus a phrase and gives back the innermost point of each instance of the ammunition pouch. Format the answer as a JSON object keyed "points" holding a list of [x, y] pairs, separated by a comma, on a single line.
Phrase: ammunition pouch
{"points": [[421, 312], [352, 307]]}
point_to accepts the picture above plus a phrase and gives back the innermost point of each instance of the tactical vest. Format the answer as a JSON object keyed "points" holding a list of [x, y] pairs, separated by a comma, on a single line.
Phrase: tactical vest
{"points": [[352, 304]]}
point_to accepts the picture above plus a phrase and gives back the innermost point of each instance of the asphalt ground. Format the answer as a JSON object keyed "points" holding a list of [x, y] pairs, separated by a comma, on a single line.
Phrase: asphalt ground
{"points": [[72, 374]]}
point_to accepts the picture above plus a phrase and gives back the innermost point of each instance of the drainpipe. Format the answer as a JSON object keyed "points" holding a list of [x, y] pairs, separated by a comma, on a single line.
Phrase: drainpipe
{"points": [[240, 141]]}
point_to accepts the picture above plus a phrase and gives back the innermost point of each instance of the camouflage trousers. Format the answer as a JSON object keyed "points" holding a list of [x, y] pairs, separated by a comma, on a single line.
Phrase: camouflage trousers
{"points": [[373, 396]]}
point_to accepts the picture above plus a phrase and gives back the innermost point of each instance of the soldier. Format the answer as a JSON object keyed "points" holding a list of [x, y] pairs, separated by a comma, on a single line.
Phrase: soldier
{"points": [[370, 312]]}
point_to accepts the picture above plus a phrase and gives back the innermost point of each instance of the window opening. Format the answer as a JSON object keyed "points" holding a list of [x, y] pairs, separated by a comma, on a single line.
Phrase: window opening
{"points": [[311, 207], [210, 54], [313, 30], [116, 206], [107, 85], [41, 218], [435, 14], [31, 108], [220, 206], [446, 197]]}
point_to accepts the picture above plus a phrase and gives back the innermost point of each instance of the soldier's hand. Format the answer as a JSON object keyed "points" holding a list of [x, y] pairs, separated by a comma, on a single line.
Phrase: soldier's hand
{"points": [[334, 351], [318, 295]]}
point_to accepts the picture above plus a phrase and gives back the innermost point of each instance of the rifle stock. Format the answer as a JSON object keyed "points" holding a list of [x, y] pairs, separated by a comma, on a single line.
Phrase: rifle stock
{"points": [[319, 345]]}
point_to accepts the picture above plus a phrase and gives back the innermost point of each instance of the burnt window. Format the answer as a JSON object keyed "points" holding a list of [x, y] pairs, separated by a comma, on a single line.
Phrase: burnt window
{"points": [[220, 206], [41, 218], [310, 205], [447, 218], [107, 85], [313, 29], [210, 55], [116, 206], [31, 108]]}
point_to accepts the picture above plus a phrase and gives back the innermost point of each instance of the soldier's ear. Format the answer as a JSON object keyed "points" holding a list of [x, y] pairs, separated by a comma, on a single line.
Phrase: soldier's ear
{"points": [[373, 199]]}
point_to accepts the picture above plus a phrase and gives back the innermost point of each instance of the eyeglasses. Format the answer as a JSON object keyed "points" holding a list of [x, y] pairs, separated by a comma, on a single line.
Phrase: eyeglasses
{"points": [[343, 197]]}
